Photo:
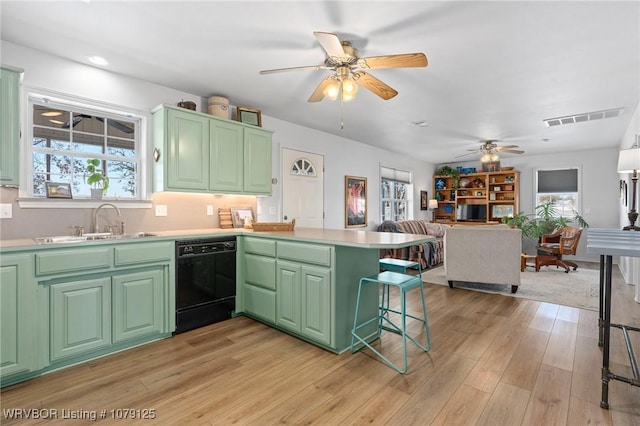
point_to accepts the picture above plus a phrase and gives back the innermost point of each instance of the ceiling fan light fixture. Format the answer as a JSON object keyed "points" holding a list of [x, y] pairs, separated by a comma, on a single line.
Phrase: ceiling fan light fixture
{"points": [[332, 90], [349, 89], [488, 157]]}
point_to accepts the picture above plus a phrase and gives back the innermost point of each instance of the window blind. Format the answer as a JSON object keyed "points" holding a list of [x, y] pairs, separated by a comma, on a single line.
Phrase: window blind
{"points": [[557, 181], [388, 173]]}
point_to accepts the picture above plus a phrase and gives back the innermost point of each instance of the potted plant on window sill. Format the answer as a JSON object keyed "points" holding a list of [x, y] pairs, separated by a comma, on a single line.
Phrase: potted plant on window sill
{"points": [[96, 178]]}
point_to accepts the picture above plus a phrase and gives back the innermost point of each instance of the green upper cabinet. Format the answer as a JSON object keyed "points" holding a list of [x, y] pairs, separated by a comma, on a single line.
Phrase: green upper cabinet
{"points": [[257, 161], [197, 152], [10, 127], [227, 157]]}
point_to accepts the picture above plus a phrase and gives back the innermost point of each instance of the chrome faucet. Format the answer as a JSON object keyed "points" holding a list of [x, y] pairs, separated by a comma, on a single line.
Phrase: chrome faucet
{"points": [[95, 217]]}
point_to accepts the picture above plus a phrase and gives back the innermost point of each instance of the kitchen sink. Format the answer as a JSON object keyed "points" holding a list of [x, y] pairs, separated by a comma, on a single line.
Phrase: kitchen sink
{"points": [[91, 237]]}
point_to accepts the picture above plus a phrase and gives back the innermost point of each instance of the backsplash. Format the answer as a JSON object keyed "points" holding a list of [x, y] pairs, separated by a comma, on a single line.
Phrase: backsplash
{"points": [[184, 211]]}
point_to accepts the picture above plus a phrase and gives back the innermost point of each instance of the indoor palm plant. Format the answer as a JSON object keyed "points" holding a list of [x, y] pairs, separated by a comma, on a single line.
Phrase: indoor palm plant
{"points": [[544, 221], [96, 178]]}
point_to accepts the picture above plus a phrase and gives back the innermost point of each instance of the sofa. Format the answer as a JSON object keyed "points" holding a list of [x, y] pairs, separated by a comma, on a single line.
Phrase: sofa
{"points": [[429, 254], [488, 254]]}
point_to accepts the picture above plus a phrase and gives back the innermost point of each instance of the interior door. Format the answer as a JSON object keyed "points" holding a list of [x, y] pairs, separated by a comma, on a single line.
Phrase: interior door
{"points": [[303, 188]]}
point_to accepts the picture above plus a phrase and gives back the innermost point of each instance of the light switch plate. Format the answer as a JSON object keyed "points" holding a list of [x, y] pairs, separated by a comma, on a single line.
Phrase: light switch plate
{"points": [[161, 210], [209, 210], [6, 211]]}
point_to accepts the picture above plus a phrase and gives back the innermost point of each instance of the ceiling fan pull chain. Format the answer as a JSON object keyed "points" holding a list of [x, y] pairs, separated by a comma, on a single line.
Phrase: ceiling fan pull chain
{"points": [[341, 108]]}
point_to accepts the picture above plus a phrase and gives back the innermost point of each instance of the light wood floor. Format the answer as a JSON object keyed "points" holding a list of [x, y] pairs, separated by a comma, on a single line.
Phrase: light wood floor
{"points": [[495, 360]]}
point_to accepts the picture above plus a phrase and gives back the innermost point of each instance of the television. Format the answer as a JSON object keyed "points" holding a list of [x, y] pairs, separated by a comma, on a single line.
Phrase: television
{"points": [[472, 212]]}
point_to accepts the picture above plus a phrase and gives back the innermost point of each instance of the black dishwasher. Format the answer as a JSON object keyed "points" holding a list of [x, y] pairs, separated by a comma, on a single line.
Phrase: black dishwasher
{"points": [[205, 282]]}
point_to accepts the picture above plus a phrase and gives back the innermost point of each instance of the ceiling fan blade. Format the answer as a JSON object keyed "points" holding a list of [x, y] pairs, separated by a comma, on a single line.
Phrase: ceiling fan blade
{"points": [[510, 151], [318, 94], [464, 155], [306, 67], [508, 146], [331, 44], [376, 86], [406, 60]]}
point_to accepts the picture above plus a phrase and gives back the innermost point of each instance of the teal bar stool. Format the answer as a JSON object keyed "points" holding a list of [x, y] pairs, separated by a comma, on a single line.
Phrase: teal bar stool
{"points": [[404, 283], [395, 265]]}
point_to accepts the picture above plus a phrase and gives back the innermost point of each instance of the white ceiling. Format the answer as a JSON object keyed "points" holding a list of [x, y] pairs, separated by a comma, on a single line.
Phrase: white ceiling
{"points": [[496, 69]]}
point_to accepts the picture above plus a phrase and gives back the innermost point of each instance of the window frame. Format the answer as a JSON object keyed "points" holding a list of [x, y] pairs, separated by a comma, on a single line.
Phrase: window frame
{"points": [[143, 173], [408, 200], [577, 194]]}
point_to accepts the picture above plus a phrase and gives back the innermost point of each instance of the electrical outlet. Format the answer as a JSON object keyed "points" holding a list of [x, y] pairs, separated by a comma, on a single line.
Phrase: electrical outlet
{"points": [[6, 211], [161, 210], [209, 210]]}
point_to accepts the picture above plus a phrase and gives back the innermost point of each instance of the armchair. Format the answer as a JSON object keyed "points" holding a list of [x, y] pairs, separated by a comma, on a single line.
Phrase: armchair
{"points": [[553, 246]]}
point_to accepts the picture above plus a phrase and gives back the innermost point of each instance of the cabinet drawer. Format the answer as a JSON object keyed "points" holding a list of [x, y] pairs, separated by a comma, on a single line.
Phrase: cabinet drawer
{"points": [[260, 246], [143, 253], [308, 253], [260, 303], [260, 271], [72, 260]]}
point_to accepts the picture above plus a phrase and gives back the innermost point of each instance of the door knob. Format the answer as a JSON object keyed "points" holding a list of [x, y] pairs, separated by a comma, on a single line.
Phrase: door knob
{"points": [[285, 217]]}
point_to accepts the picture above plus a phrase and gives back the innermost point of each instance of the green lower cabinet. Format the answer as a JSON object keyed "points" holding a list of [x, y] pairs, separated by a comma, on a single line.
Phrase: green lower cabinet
{"points": [[260, 302], [288, 296], [138, 305], [304, 300], [260, 286], [80, 317], [316, 304], [17, 319]]}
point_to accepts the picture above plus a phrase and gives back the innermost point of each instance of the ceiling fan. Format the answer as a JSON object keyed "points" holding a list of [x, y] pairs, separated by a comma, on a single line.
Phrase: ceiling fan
{"points": [[489, 150], [348, 67]]}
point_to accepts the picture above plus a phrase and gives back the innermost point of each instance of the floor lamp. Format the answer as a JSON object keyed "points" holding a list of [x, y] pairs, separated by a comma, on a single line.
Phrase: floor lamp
{"points": [[629, 162]]}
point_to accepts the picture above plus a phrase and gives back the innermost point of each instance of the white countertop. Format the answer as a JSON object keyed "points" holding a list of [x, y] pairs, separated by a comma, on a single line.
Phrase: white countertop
{"points": [[363, 239], [614, 242]]}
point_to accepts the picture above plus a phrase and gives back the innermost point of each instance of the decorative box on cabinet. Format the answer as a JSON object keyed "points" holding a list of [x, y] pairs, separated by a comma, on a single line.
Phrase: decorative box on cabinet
{"points": [[10, 127], [197, 152]]}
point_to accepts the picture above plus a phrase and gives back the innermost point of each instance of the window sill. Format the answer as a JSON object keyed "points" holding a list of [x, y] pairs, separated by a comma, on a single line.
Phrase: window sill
{"points": [[49, 203]]}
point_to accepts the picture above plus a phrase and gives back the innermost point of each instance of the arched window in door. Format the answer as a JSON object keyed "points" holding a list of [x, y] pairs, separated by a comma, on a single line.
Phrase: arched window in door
{"points": [[303, 167]]}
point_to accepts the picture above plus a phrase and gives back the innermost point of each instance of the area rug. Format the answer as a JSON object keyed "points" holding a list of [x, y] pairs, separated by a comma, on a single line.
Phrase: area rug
{"points": [[579, 288]]}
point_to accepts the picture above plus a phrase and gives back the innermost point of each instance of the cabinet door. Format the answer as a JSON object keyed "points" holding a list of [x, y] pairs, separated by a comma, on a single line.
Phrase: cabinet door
{"points": [[226, 157], [188, 157], [80, 317], [316, 304], [10, 127], [257, 161], [17, 301], [138, 304], [288, 295]]}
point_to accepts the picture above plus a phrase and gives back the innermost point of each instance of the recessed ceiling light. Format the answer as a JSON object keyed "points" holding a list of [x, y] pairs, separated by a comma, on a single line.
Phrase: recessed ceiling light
{"points": [[56, 122], [421, 123], [97, 60], [51, 113]]}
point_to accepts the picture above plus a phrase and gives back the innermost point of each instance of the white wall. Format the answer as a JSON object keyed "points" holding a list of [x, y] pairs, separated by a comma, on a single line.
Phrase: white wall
{"points": [[342, 157]]}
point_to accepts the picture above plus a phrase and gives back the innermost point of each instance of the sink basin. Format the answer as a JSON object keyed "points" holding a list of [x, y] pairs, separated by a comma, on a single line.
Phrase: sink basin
{"points": [[132, 235], [91, 237], [61, 239]]}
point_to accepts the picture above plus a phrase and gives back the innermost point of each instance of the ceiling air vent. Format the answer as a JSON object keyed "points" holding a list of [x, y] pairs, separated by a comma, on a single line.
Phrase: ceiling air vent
{"points": [[587, 116]]}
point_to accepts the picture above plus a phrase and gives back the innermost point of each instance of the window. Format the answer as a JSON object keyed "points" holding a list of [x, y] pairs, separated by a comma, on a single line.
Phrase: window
{"points": [[395, 194], [65, 134], [561, 187]]}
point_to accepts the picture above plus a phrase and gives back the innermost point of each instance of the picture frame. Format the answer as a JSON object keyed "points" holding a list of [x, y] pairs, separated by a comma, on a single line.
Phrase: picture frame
{"points": [[355, 202], [424, 200], [502, 210], [58, 190], [491, 166], [238, 216], [249, 116]]}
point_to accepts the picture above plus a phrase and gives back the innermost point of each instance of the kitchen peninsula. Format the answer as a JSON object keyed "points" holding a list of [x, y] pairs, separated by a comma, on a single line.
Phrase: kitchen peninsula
{"points": [[303, 282]]}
